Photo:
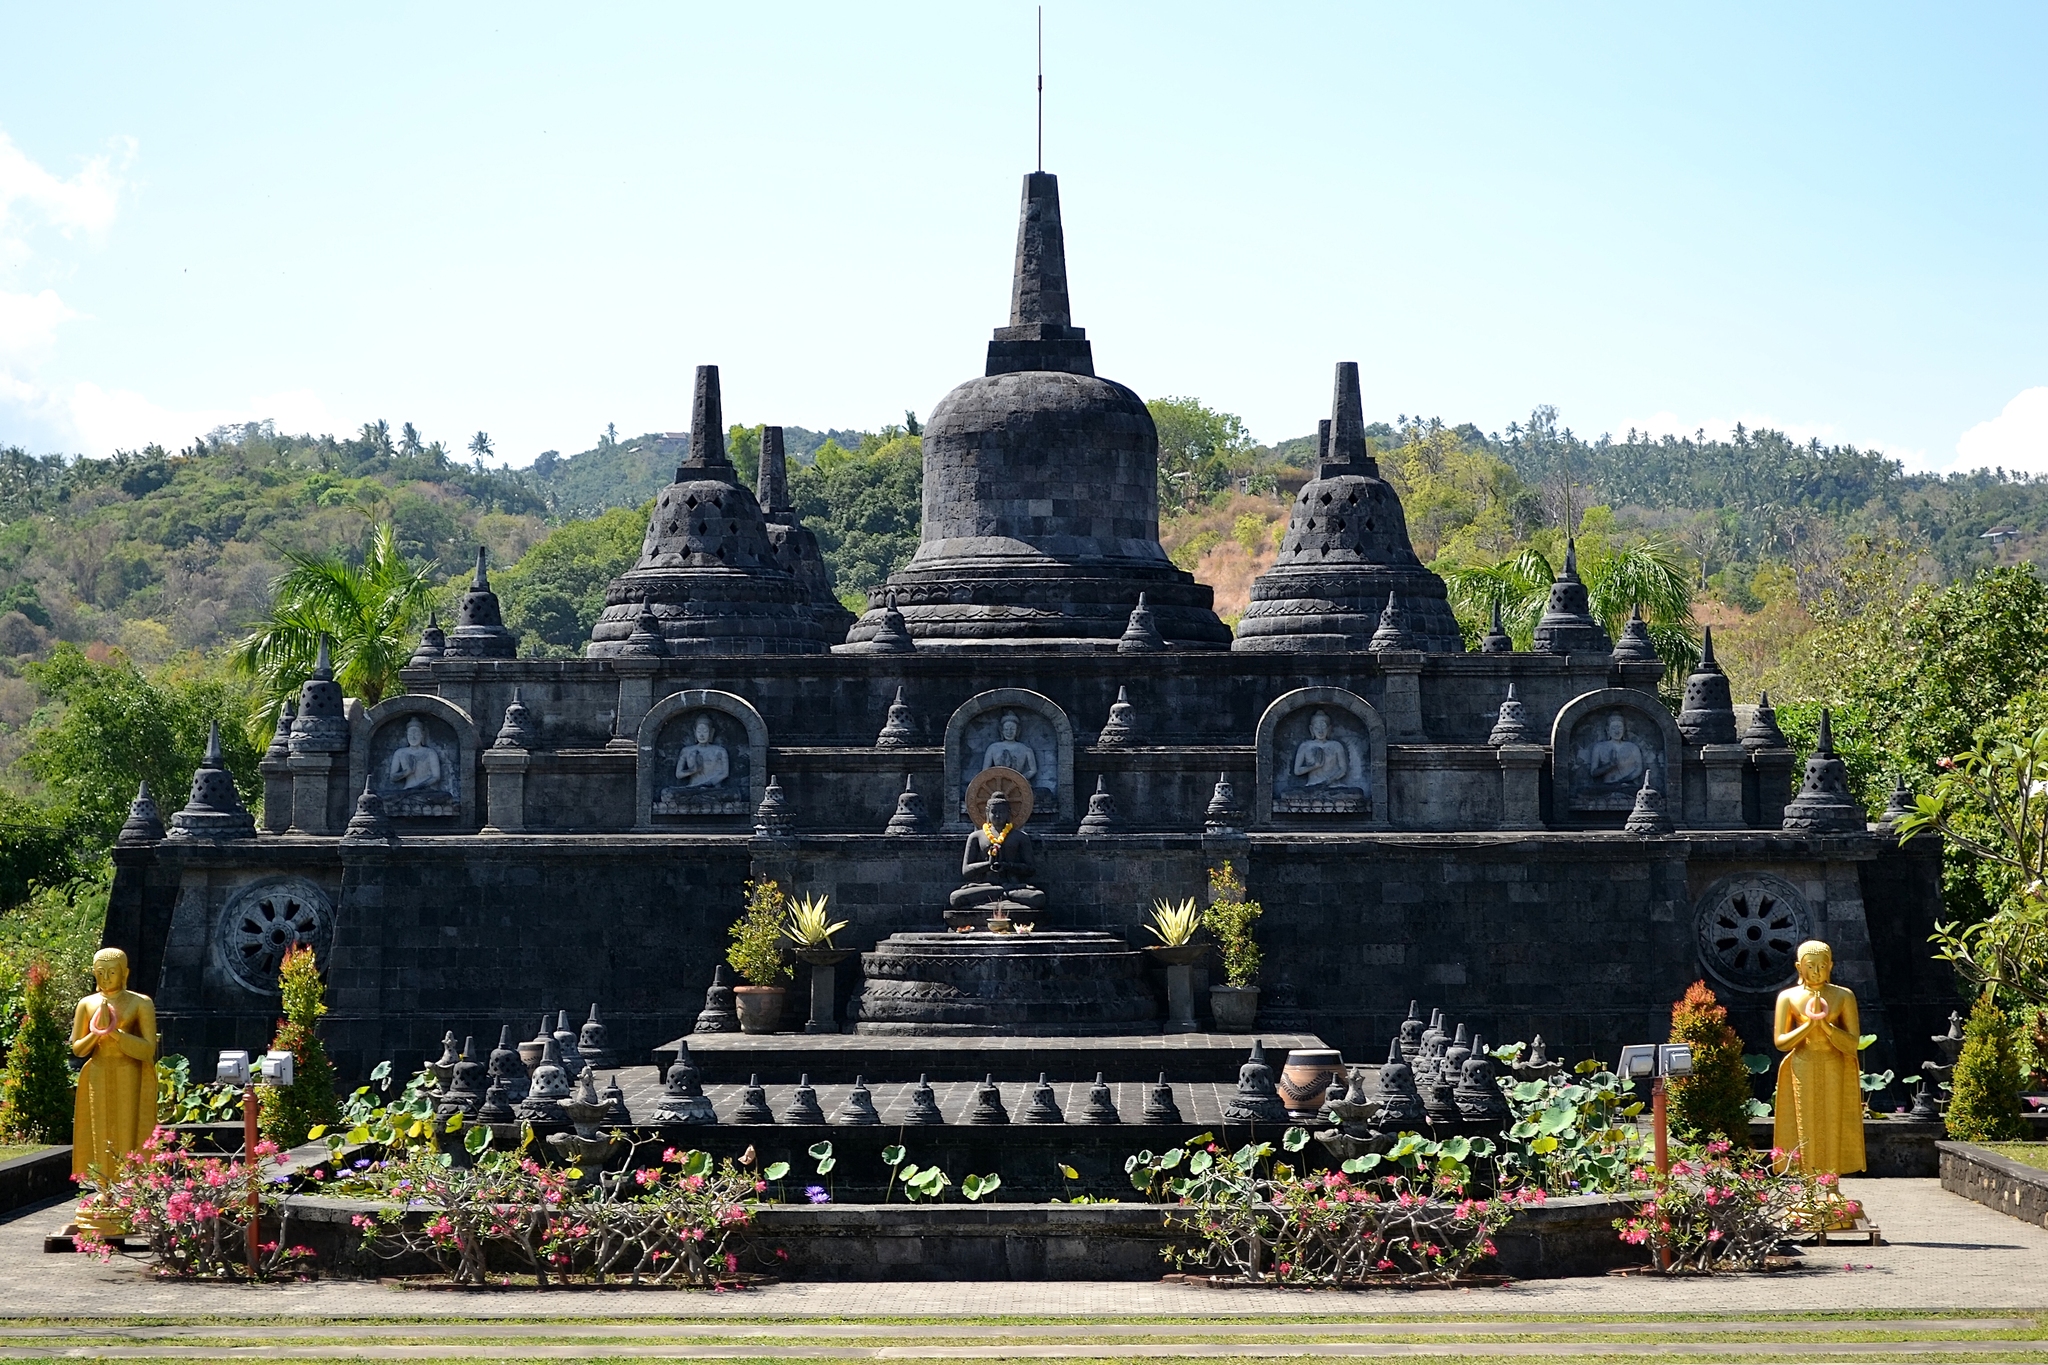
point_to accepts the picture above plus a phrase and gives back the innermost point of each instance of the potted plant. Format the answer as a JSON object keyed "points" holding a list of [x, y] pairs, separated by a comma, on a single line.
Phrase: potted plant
{"points": [[1229, 921], [756, 954], [1174, 926], [809, 929]]}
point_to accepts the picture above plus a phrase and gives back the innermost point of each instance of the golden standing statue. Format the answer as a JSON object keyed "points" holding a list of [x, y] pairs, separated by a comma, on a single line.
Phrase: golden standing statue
{"points": [[114, 1030], [1820, 1090]]}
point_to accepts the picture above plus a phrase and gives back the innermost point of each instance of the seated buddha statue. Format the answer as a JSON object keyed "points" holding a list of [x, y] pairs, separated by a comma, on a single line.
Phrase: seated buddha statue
{"points": [[997, 866]]}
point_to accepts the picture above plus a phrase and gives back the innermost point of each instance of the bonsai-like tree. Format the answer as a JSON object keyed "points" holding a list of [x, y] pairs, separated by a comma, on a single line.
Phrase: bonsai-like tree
{"points": [[1714, 1100], [1985, 1103], [1228, 919], [36, 1094], [756, 951], [290, 1113]]}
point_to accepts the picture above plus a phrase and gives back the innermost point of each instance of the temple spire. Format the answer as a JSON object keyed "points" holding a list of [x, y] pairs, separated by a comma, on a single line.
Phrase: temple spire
{"points": [[772, 487], [1041, 334], [707, 422], [1038, 293], [1345, 446]]}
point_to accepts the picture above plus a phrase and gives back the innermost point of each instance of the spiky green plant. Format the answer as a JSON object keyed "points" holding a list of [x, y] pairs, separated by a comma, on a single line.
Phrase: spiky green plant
{"points": [[807, 926], [1175, 925]]}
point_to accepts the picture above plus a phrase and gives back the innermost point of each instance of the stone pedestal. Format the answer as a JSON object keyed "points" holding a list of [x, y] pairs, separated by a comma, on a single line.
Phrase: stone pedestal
{"points": [[1521, 785], [824, 963], [277, 794], [1401, 706], [1047, 983], [636, 697], [313, 802], [505, 776], [1713, 787], [1768, 787]]}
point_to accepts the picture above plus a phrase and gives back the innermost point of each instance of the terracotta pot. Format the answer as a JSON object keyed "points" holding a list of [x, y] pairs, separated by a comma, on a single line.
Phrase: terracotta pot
{"points": [[1306, 1076], [759, 1007], [1235, 1007]]}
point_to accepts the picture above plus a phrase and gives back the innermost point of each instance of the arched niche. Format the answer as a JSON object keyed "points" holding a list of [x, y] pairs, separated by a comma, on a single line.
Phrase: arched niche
{"points": [[977, 731], [418, 752], [1601, 745], [701, 755], [1322, 759]]}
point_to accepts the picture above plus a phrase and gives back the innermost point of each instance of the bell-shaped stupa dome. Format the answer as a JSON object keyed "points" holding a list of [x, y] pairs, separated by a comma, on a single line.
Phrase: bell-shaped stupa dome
{"points": [[707, 569], [1041, 501], [1346, 560]]}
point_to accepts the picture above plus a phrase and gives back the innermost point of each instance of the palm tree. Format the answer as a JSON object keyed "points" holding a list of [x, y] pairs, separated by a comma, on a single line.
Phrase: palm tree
{"points": [[370, 611], [1646, 574], [480, 445]]}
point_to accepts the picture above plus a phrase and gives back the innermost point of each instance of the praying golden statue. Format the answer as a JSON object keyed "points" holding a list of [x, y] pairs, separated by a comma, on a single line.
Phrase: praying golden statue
{"points": [[114, 1029], [1820, 1090]]}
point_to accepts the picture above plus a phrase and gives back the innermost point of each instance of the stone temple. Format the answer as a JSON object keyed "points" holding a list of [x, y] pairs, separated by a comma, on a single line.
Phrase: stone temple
{"points": [[1531, 840]]}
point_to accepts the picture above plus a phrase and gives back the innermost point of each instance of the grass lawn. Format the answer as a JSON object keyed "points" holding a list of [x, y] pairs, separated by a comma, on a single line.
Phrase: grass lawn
{"points": [[9, 1151], [2026, 1153]]}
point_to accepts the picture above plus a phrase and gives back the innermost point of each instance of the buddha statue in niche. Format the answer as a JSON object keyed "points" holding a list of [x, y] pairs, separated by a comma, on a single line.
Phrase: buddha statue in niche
{"points": [[1011, 752], [1616, 759], [414, 765], [997, 866], [1320, 761], [706, 762]]}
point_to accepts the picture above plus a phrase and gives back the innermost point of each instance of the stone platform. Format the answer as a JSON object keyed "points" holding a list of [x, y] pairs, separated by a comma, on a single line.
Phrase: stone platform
{"points": [[1051, 982], [834, 1059]]}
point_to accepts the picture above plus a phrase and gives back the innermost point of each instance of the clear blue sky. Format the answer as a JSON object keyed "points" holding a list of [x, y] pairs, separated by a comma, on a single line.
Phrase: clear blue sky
{"points": [[536, 220]]}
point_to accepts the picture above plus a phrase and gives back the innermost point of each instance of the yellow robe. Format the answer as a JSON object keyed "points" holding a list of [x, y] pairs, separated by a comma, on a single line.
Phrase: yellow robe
{"points": [[1819, 1106], [116, 1109]]}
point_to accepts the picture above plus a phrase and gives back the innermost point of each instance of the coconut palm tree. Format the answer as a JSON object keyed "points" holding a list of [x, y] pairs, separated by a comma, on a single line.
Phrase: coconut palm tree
{"points": [[370, 611], [1646, 574]]}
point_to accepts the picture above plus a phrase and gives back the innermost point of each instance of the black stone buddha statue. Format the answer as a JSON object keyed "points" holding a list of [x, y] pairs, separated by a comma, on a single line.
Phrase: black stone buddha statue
{"points": [[997, 868]]}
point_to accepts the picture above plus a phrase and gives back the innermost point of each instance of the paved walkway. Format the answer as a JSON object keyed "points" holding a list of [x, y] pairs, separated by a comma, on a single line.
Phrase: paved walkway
{"points": [[1946, 1254]]}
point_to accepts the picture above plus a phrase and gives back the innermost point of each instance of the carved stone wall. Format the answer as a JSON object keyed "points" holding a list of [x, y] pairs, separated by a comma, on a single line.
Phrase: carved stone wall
{"points": [[428, 786]]}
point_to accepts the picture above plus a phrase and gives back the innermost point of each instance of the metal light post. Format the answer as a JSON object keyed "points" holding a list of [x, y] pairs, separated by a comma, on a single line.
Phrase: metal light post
{"points": [[274, 1069], [1657, 1063]]}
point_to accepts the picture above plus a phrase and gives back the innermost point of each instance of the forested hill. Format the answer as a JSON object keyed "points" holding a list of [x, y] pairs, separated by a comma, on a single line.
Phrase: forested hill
{"points": [[617, 473], [1756, 495]]}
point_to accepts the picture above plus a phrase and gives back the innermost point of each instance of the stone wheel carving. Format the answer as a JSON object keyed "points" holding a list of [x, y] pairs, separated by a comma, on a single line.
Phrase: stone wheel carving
{"points": [[1749, 928], [266, 921]]}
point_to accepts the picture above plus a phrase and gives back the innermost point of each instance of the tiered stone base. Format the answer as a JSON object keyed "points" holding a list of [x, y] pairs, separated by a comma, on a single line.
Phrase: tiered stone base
{"points": [[1044, 983]]}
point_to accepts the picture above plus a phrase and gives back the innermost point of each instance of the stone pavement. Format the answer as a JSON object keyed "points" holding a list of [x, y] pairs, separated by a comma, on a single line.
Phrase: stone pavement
{"points": [[1945, 1254]]}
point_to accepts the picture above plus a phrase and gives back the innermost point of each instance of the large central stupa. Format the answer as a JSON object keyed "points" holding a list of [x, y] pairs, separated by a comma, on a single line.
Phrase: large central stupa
{"points": [[1041, 501]]}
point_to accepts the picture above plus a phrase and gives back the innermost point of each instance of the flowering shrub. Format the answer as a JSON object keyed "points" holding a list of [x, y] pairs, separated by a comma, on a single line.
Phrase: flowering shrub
{"points": [[656, 1225], [194, 1212], [1260, 1220], [1724, 1208]]}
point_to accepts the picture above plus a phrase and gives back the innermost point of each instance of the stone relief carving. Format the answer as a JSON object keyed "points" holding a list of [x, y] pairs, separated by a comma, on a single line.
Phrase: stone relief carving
{"points": [[264, 921], [700, 754], [1609, 752], [1322, 752], [1748, 927], [1015, 729], [418, 752], [706, 750], [1328, 774], [415, 766]]}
